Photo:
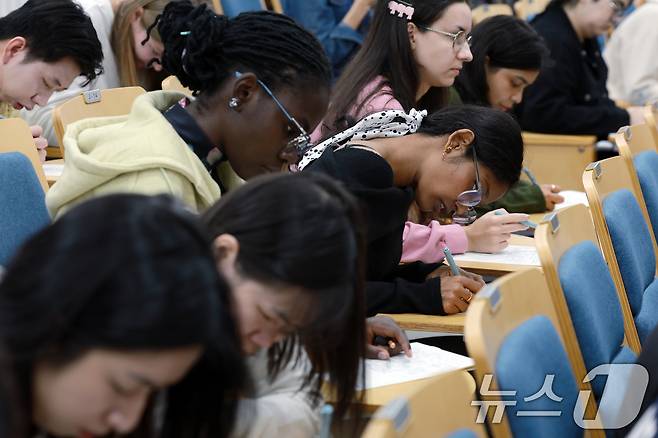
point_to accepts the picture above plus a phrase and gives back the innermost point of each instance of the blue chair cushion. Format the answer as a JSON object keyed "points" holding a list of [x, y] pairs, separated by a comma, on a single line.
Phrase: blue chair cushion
{"points": [[646, 320], [236, 7], [529, 353], [593, 305], [22, 203], [646, 166], [632, 244]]}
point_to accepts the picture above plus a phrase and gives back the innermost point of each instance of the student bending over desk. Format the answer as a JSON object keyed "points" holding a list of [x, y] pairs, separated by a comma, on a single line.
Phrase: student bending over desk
{"points": [[507, 57], [291, 247], [454, 157], [41, 56], [262, 82], [126, 306]]}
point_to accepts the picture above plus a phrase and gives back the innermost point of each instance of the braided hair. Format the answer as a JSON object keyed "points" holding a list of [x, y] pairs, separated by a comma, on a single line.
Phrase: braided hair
{"points": [[203, 49]]}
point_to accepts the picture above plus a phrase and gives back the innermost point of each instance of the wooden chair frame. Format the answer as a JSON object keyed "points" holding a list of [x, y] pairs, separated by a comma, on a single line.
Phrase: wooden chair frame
{"points": [[499, 309], [441, 406], [94, 103], [601, 179], [15, 136], [559, 159]]}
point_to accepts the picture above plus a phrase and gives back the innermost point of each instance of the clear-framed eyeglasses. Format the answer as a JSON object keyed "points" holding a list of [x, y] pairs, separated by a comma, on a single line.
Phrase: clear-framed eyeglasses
{"points": [[459, 39], [469, 198]]}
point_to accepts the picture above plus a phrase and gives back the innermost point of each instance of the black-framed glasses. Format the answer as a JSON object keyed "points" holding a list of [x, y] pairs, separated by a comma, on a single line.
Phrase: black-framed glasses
{"points": [[469, 198], [298, 145], [459, 39]]}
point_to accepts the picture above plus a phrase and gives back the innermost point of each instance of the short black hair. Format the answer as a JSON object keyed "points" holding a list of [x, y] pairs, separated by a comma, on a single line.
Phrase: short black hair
{"points": [[55, 30]]}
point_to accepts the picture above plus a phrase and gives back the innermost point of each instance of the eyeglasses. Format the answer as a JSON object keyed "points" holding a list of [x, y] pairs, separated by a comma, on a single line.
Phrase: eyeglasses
{"points": [[469, 198], [298, 145], [617, 7], [459, 39]]}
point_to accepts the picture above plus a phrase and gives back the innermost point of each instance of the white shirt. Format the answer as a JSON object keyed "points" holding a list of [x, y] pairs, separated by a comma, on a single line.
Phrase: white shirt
{"points": [[102, 17], [631, 57]]}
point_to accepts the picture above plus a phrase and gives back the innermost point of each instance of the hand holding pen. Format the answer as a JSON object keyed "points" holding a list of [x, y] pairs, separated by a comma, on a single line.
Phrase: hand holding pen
{"points": [[384, 338]]}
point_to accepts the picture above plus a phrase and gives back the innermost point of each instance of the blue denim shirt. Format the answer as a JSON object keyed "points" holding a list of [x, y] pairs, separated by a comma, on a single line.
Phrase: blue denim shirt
{"points": [[324, 19]]}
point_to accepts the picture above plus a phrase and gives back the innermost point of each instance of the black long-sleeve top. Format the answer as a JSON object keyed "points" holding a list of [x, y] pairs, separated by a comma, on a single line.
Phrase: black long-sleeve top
{"points": [[570, 96], [390, 287]]}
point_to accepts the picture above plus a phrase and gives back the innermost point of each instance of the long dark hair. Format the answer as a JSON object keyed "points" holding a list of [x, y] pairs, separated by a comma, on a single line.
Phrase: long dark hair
{"points": [[497, 137], [126, 272], [203, 49], [306, 231], [386, 51], [507, 42]]}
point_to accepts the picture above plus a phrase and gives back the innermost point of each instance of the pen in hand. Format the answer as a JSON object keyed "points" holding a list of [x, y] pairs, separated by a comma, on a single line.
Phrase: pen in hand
{"points": [[384, 341], [451, 262]]}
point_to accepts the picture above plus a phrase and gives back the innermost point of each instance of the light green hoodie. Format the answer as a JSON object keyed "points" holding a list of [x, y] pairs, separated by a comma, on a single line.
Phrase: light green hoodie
{"points": [[137, 153]]}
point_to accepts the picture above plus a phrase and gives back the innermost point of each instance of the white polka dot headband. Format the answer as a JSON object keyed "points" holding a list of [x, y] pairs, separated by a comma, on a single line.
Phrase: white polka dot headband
{"points": [[391, 123]]}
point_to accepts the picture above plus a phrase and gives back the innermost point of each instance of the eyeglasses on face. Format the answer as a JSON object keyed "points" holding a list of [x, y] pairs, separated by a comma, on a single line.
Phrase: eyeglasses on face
{"points": [[298, 145], [459, 39], [469, 198]]}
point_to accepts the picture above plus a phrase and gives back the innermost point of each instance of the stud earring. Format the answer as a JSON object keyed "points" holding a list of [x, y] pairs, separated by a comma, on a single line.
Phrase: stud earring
{"points": [[233, 103]]}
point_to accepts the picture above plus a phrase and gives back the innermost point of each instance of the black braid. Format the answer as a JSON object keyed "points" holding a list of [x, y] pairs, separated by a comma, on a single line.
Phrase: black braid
{"points": [[202, 49]]}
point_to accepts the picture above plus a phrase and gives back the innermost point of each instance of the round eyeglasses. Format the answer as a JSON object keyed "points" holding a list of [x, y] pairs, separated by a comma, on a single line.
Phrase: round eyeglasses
{"points": [[459, 39]]}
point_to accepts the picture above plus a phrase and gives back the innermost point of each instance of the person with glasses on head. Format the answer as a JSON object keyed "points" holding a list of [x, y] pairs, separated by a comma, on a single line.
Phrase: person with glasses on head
{"points": [[570, 96], [507, 57], [261, 83], [446, 162]]}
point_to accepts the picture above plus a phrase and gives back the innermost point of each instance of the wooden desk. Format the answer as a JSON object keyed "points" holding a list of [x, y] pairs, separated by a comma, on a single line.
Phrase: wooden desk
{"points": [[431, 323], [375, 398], [498, 269], [52, 177]]}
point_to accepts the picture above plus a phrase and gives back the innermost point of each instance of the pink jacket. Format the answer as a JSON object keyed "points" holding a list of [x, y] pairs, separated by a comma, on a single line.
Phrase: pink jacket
{"points": [[425, 243], [382, 100], [419, 242]]}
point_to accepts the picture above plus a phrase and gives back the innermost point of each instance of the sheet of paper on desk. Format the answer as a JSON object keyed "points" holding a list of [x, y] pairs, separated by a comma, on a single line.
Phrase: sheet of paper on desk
{"points": [[427, 361], [512, 255], [572, 197], [53, 169]]}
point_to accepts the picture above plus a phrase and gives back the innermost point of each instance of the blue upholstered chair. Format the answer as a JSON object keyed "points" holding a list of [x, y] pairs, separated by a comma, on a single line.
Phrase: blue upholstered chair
{"points": [[638, 145], [512, 333], [22, 203], [628, 243], [646, 167]]}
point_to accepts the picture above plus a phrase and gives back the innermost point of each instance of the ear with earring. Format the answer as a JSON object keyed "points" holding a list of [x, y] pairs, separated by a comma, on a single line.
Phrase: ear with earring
{"points": [[449, 148], [233, 102]]}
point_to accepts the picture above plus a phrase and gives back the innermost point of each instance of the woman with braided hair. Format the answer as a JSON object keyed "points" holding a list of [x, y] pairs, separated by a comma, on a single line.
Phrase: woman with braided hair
{"points": [[261, 83]]}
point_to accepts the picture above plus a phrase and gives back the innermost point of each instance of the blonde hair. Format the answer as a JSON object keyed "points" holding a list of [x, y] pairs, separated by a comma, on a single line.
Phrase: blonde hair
{"points": [[122, 38]]}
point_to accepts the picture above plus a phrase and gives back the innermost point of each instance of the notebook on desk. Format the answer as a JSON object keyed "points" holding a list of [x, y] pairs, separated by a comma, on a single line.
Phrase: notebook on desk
{"points": [[512, 255], [427, 361], [572, 197]]}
